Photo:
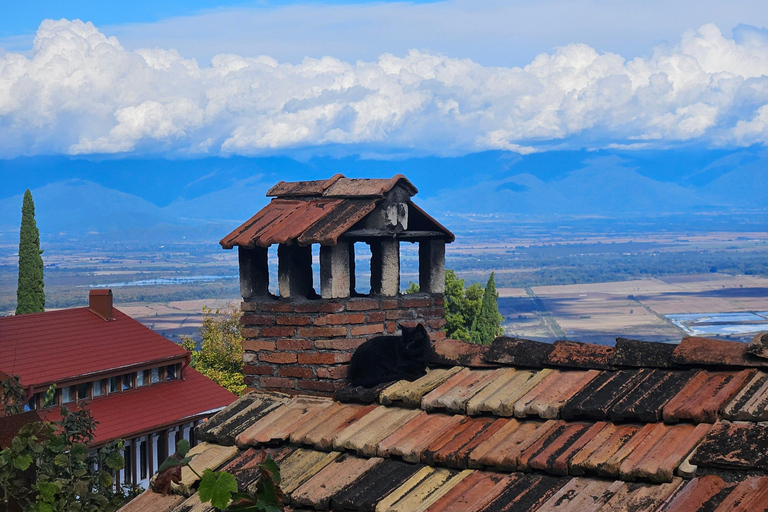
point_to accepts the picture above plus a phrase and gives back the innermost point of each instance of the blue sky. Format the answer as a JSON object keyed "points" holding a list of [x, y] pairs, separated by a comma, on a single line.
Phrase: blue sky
{"points": [[381, 80]]}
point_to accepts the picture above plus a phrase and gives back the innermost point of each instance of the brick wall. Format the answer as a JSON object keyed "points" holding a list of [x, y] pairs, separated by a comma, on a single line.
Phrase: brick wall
{"points": [[305, 346]]}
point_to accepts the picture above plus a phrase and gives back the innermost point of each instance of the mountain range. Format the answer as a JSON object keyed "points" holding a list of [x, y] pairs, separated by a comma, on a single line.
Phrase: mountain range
{"points": [[147, 200]]}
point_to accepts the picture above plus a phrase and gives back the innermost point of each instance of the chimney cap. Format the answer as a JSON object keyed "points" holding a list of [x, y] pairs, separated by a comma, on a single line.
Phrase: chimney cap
{"points": [[101, 291]]}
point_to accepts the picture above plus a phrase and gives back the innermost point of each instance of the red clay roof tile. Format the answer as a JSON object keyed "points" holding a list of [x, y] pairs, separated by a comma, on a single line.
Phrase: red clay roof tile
{"points": [[413, 438], [502, 450], [751, 403], [595, 400], [519, 352], [548, 397], [646, 401], [473, 493], [454, 352], [702, 493], [708, 351], [318, 490], [750, 495], [574, 354], [740, 445], [705, 395], [454, 393], [452, 449]]}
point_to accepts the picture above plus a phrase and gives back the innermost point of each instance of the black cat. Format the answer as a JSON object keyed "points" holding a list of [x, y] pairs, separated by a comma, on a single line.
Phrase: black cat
{"points": [[389, 358]]}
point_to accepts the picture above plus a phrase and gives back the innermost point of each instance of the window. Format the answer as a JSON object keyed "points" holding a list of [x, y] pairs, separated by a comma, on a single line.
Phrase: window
{"points": [[128, 381], [98, 388], [114, 384], [68, 394], [161, 452], [82, 391], [143, 460], [141, 379], [170, 372], [128, 456], [155, 375]]}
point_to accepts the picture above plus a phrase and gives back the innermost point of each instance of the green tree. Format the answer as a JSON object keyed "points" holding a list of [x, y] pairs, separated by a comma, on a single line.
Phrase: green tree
{"points": [[487, 324], [462, 305], [30, 297], [49, 467], [220, 357]]}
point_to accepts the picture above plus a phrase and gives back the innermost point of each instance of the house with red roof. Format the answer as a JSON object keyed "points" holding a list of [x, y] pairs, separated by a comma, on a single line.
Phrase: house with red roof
{"points": [[138, 385]]}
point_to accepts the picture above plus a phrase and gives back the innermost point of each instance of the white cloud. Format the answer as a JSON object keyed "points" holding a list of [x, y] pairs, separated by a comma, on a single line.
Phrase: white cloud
{"points": [[81, 92]]}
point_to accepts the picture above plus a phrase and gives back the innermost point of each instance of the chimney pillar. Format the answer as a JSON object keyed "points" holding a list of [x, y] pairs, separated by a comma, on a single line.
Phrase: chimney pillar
{"points": [[100, 304]]}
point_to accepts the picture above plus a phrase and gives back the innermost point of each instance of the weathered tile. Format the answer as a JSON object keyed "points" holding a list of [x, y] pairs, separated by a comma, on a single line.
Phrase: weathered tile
{"points": [[646, 401], [318, 490], [373, 486], [448, 352], [699, 495], [364, 435], [361, 394], [502, 450], [321, 437], [661, 452], [193, 504], [750, 495], [740, 445], [548, 397], [595, 400], [527, 492], [694, 350], [597, 453], [642, 354], [150, 501], [545, 451], [454, 397], [519, 352], [472, 493], [499, 397], [582, 494], [452, 449], [245, 465], [278, 424], [574, 354], [421, 490], [409, 394], [204, 456], [751, 403], [758, 346], [705, 395], [224, 426], [641, 497], [301, 465], [410, 441]]}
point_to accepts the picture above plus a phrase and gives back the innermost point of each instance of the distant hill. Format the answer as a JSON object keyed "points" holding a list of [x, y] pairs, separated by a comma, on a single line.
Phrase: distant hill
{"points": [[160, 200]]}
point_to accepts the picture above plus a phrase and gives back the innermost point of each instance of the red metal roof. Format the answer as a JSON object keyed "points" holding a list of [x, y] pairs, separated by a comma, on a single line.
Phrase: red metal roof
{"points": [[55, 346], [340, 186], [153, 407]]}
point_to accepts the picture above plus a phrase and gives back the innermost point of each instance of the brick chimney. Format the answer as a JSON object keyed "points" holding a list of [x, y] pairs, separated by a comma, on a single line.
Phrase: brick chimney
{"points": [[301, 340], [100, 304]]}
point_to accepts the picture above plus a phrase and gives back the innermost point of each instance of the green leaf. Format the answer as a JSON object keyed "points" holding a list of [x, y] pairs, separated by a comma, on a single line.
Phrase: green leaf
{"points": [[80, 473], [217, 488], [79, 451], [61, 460], [115, 461], [271, 466], [46, 491], [22, 462], [173, 461], [105, 479], [182, 448]]}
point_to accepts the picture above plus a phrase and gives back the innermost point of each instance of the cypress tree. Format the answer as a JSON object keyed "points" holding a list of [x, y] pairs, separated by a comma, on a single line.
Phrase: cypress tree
{"points": [[487, 324], [30, 297]]}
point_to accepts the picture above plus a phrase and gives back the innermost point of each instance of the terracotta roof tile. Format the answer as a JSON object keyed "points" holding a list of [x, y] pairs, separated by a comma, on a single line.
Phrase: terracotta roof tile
{"points": [[409, 394], [705, 395], [373, 486], [758, 346], [700, 494], [738, 445], [503, 449], [708, 351], [302, 188], [582, 494], [413, 438], [751, 403], [603, 448], [318, 490], [421, 490], [661, 452], [646, 401], [473, 493], [364, 435], [223, 428], [642, 354], [448, 352], [499, 397], [595, 400], [519, 352], [339, 417], [301, 465], [574, 354], [641, 497], [528, 492], [279, 423], [544, 453], [205, 456], [749, 495], [547, 398], [452, 449], [455, 392], [153, 502]]}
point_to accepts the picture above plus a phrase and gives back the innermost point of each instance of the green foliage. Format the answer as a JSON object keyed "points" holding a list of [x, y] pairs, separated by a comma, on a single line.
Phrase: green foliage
{"points": [[30, 297], [49, 467], [220, 357], [464, 315], [12, 396], [219, 488], [487, 324], [412, 287]]}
